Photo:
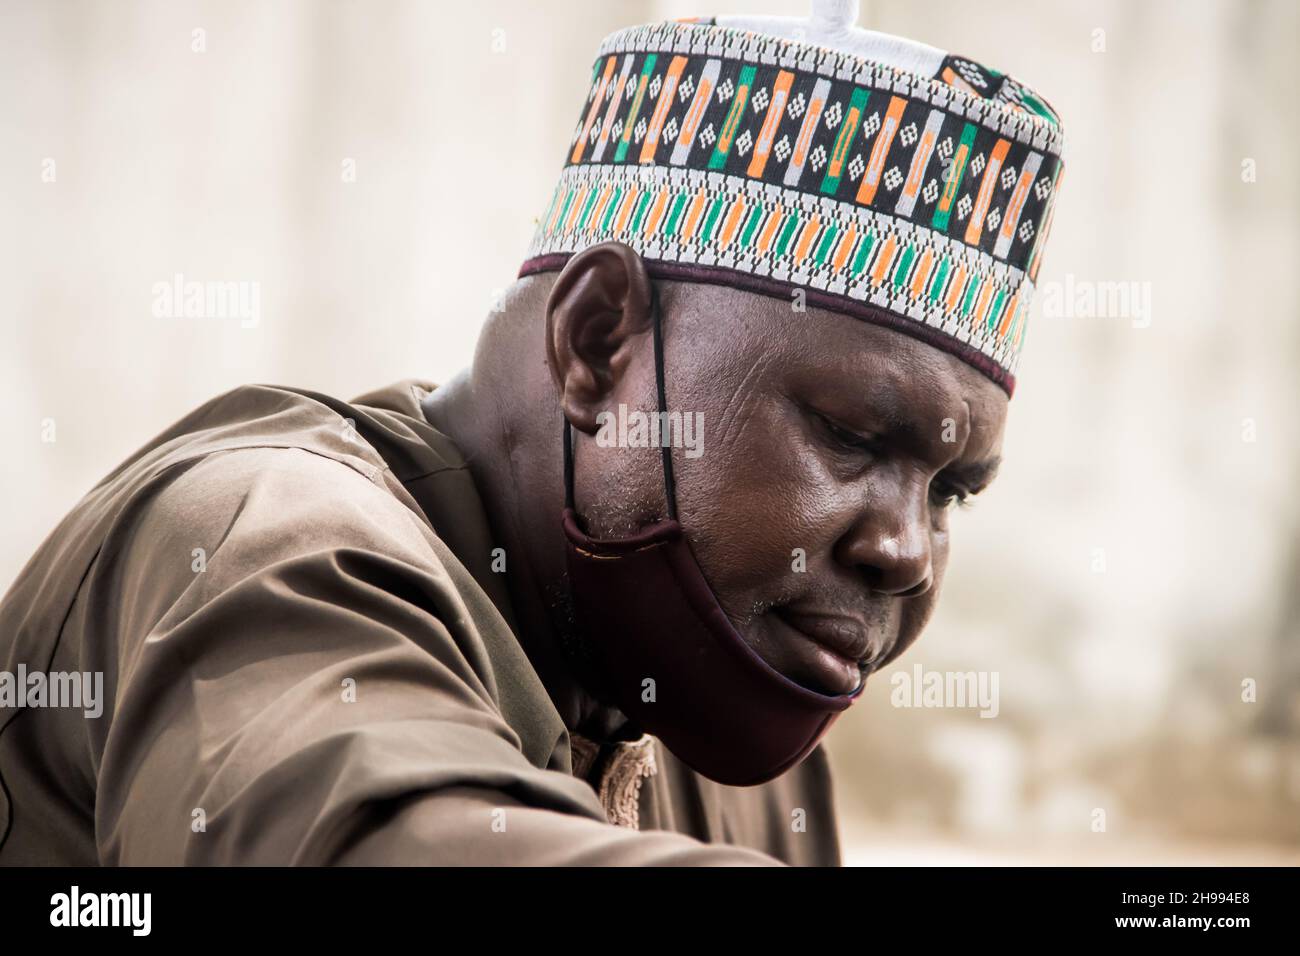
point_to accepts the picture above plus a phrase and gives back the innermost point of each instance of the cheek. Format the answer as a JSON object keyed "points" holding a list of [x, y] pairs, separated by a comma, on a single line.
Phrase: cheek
{"points": [[756, 494], [618, 490]]}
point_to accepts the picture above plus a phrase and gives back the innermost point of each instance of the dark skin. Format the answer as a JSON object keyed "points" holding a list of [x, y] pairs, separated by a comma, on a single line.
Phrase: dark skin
{"points": [[821, 432]]}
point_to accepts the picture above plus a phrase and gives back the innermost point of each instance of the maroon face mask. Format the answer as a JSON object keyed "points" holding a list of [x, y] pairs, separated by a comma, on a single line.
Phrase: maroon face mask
{"points": [[662, 650]]}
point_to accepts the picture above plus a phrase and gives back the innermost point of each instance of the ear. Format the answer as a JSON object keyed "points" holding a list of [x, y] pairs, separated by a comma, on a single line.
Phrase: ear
{"points": [[597, 312]]}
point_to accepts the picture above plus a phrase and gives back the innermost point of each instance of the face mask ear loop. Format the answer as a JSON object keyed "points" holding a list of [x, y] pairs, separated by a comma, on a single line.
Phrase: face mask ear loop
{"points": [[670, 484], [568, 464]]}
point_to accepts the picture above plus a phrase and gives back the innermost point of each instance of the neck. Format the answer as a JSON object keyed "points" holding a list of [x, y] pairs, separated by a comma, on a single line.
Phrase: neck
{"points": [[501, 421]]}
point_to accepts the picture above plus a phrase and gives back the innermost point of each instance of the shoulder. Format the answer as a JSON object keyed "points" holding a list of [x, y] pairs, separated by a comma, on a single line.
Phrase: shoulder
{"points": [[300, 549], [264, 504], [283, 548], [275, 521], [259, 417]]}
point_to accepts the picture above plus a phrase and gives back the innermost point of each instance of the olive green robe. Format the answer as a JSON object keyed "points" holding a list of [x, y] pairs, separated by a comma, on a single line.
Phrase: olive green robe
{"points": [[307, 658]]}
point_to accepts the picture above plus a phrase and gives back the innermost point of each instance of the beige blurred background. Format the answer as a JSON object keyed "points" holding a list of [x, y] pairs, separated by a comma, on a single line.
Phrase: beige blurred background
{"points": [[1135, 563]]}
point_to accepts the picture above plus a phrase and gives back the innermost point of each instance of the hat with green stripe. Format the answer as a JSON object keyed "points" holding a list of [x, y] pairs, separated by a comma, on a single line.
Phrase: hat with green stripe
{"points": [[887, 179]]}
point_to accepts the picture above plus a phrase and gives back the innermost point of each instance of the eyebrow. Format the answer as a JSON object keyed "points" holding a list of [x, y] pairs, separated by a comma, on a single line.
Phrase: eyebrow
{"points": [[976, 475], [973, 475], [899, 429]]}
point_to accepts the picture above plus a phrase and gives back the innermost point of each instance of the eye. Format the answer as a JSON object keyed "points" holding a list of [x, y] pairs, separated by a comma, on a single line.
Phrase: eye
{"points": [[846, 439], [946, 495]]}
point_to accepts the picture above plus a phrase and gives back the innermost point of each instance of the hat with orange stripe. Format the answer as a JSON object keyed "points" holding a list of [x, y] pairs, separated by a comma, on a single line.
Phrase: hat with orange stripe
{"points": [[887, 179]]}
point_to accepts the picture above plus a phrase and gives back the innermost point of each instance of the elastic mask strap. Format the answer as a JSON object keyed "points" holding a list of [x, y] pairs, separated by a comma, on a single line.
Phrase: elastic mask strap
{"points": [[568, 466], [670, 484]]}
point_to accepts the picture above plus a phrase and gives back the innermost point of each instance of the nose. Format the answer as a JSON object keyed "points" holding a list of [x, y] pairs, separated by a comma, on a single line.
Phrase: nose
{"points": [[889, 544]]}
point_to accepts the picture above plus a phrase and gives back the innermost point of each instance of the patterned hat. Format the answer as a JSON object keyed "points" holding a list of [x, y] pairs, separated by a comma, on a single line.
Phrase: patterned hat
{"points": [[887, 179]]}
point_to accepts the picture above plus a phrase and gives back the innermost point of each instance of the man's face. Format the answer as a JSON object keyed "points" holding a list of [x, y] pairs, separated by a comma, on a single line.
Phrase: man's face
{"points": [[831, 454]]}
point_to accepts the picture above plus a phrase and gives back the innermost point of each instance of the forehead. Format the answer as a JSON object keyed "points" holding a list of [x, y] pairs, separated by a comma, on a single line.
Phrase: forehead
{"points": [[833, 357]]}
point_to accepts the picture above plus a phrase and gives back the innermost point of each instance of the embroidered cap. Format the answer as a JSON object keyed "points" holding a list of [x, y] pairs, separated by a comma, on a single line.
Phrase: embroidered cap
{"points": [[887, 179]]}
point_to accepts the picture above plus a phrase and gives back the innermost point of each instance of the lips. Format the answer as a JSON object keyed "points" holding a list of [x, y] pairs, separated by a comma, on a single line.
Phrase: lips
{"points": [[822, 652], [842, 636]]}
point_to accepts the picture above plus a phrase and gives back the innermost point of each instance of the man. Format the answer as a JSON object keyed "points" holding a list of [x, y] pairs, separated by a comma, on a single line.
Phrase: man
{"points": [[504, 620]]}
